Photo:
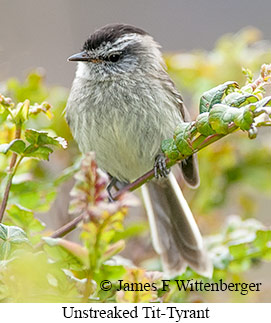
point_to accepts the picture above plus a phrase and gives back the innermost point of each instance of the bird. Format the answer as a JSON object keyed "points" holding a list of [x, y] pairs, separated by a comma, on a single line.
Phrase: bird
{"points": [[122, 105]]}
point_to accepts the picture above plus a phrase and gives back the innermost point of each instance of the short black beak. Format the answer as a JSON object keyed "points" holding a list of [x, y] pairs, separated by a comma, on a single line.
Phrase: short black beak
{"points": [[79, 57]]}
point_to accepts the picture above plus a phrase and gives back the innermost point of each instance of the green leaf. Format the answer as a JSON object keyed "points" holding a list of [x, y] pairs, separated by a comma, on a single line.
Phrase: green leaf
{"points": [[5, 249], [61, 142], [42, 138], [263, 243], [20, 113], [239, 265], [170, 149], [203, 125], [38, 148], [3, 114], [16, 145], [12, 234], [243, 118], [5, 105], [113, 249], [24, 218], [239, 250], [71, 255], [41, 152], [248, 74], [237, 99], [264, 102], [215, 95], [32, 135], [220, 117], [182, 137]]}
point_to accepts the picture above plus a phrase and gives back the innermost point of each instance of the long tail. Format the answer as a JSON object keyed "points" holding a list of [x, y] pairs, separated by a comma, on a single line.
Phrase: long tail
{"points": [[175, 234]]}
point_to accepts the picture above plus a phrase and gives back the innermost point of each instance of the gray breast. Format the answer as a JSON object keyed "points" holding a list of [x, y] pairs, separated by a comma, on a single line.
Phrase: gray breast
{"points": [[123, 123]]}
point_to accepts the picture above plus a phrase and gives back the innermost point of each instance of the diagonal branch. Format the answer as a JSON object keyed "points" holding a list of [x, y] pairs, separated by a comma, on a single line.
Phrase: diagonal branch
{"points": [[12, 170], [199, 143]]}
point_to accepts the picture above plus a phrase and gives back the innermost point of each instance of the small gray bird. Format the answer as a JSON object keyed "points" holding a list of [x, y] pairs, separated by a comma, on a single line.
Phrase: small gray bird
{"points": [[122, 105]]}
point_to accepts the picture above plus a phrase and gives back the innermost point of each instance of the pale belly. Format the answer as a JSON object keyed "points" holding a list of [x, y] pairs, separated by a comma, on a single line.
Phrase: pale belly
{"points": [[126, 149], [126, 135], [125, 144]]}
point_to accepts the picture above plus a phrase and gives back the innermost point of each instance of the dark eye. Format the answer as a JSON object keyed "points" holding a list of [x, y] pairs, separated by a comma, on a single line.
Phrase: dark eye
{"points": [[114, 57]]}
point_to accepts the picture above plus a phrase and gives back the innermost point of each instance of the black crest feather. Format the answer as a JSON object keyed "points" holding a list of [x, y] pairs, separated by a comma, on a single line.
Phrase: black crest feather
{"points": [[110, 33]]}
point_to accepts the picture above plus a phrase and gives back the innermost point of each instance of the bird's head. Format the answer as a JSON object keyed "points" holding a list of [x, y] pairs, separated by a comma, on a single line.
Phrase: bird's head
{"points": [[117, 50]]}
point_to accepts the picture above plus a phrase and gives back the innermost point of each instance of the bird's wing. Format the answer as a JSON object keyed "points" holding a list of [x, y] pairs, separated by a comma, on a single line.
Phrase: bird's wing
{"points": [[188, 166]]}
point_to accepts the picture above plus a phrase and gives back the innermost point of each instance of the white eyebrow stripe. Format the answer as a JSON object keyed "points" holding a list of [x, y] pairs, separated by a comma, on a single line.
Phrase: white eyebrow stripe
{"points": [[118, 45], [125, 40]]}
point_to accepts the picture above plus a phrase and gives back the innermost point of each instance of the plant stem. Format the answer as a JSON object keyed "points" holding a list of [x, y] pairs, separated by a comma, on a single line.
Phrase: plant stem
{"points": [[88, 289], [199, 143], [62, 231], [12, 170], [14, 155], [65, 229]]}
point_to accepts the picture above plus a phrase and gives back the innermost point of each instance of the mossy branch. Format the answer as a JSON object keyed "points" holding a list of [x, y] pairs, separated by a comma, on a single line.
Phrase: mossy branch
{"points": [[223, 110]]}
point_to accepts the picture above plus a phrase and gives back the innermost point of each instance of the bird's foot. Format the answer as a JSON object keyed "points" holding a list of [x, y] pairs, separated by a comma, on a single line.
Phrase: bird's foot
{"points": [[109, 187], [118, 185], [160, 166]]}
